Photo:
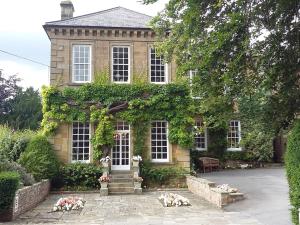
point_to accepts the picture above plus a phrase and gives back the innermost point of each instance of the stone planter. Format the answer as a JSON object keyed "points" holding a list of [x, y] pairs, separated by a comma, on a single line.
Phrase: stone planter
{"points": [[135, 163], [103, 184], [137, 185], [106, 167], [6, 215]]}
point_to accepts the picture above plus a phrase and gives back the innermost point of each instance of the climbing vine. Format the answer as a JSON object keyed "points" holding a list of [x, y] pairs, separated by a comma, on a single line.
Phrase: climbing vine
{"points": [[138, 104]]}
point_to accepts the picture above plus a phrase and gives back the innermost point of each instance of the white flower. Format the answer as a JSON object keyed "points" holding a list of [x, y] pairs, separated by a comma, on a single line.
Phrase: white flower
{"points": [[106, 159], [137, 158]]}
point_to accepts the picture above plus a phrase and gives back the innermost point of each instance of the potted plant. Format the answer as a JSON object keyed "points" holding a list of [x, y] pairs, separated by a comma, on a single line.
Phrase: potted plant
{"points": [[136, 160], [104, 181]]}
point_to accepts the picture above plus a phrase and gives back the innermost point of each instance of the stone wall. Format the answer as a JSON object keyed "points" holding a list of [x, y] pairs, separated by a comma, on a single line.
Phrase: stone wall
{"points": [[207, 190], [28, 197]]}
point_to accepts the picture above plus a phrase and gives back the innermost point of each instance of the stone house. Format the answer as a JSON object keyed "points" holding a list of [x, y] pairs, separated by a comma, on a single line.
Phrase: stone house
{"points": [[120, 41]]}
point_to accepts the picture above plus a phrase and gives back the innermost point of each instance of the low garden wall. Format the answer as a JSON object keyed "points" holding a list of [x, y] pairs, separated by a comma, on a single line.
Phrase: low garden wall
{"points": [[208, 190], [28, 197]]}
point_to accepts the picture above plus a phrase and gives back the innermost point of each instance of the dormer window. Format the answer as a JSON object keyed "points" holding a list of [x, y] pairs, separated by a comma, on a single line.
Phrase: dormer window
{"points": [[81, 66], [120, 64], [158, 69]]}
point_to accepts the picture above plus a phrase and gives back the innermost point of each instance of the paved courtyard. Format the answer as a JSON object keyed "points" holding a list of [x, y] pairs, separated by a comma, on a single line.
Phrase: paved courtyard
{"points": [[134, 209], [266, 192]]}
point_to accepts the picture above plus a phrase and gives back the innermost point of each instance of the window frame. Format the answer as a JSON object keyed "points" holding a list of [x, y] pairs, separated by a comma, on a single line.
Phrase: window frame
{"points": [[239, 136], [112, 64], [205, 138], [73, 63], [167, 139], [165, 69], [90, 133], [191, 77]]}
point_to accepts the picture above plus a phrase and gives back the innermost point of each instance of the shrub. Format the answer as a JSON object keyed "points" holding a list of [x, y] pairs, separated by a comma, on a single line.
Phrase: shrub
{"points": [[218, 141], [26, 178], [13, 143], [259, 144], [160, 175], [39, 159], [292, 162], [78, 176], [9, 182]]}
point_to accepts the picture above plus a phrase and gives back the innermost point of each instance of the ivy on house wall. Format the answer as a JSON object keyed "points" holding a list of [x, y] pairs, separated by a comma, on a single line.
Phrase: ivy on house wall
{"points": [[138, 104]]}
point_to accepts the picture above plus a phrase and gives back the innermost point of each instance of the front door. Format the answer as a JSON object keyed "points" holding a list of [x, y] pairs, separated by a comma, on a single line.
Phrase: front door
{"points": [[121, 148]]}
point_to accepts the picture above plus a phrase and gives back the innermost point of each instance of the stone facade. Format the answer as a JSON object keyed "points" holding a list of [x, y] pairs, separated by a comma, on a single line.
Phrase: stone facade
{"points": [[101, 40], [29, 197]]}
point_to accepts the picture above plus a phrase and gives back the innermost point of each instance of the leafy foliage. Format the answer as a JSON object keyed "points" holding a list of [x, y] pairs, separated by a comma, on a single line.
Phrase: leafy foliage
{"points": [[78, 176], [238, 48], [145, 102], [8, 89], [13, 143], [9, 182], [26, 178], [292, 162], [25, 110], [39, 159], [160, 175]]}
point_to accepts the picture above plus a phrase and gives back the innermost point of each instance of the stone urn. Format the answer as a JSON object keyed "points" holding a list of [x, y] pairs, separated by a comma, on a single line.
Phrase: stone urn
{"points": [[135, 163], [103, 184], [137, 184]]}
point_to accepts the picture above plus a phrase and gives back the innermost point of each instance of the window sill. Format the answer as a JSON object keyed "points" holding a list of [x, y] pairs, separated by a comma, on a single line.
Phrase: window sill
{"points": [[234, 149]]}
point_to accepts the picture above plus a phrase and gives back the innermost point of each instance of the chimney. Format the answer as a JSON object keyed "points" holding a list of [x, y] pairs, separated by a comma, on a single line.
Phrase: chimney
{"points": [[67, 9]]}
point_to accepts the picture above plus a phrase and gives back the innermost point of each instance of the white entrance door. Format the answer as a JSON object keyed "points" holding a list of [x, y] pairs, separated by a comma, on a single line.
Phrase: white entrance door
{"points": [[121, 149]]}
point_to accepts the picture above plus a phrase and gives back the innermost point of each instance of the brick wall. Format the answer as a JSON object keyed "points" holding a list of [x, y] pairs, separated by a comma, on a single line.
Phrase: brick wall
{"points": [[28, 197]]}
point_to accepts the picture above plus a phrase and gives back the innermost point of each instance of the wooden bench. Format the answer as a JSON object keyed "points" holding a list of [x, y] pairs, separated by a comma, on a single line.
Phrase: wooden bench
{"points": [[209, 163]]}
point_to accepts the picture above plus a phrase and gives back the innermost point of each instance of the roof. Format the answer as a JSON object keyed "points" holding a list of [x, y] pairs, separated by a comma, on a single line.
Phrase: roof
{"points": [[117, 17]]}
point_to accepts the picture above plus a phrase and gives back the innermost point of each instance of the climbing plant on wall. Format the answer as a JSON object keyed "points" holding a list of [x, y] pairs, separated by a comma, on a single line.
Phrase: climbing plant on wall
{"points": [[138, 104]]}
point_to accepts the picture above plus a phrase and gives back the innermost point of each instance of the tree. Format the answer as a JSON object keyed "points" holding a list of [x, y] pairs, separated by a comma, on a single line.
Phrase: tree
{"points": [[8, 89], [25, 110], [238, 48], [19, 109]]}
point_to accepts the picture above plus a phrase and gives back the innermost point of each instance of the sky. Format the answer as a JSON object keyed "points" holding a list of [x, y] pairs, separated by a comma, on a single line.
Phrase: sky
{"points": [[21, 32]]}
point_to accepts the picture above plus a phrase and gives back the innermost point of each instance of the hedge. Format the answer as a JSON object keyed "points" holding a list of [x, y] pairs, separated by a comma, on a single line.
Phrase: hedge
{"points": [[9, 182], [292, 162], [39, 158], [78, 176]]}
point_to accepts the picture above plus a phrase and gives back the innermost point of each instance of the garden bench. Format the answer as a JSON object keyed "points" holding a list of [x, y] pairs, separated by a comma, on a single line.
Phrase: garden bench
{"points": [[210, 163]]}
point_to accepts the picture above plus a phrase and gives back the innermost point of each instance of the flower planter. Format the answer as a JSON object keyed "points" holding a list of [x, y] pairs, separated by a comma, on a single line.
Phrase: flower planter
{"points": [[137, 185], [103, 184], [135, 163], [6, 215]]}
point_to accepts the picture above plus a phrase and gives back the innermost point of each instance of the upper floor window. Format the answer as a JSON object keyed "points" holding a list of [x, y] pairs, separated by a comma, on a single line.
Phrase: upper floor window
{"points": [[80, 142], [234, 135], [158, 69], [200, 136], [120, 64], [193, 74], [81, 63]]}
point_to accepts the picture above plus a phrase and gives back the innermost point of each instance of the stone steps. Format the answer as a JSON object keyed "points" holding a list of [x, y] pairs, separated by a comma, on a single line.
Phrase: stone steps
{"points": [[121, 182]]}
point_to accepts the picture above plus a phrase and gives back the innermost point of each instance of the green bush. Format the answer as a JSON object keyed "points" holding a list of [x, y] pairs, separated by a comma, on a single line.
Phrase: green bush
{"points": [[160, 175], [292, 162], [78, 176], [9, 182], [39, 158], [26, 178], [218, 141], [259, 144], [13, 143]]}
